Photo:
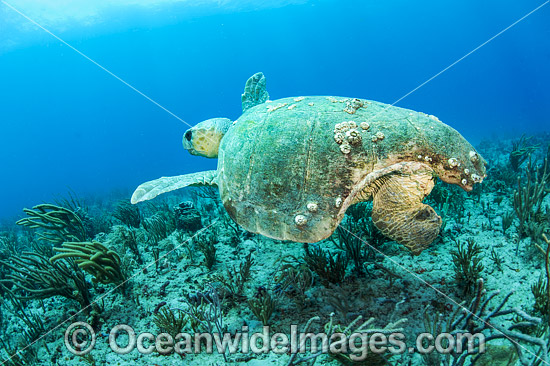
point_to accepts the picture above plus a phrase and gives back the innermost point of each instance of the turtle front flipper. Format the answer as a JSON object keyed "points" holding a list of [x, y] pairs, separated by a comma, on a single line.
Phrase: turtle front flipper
{"points": [[151, 189], [254, 91], [398, 211]]}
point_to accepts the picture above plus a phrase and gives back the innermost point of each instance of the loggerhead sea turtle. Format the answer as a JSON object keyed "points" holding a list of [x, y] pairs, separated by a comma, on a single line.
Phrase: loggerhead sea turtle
{"points": [[290, 168]]}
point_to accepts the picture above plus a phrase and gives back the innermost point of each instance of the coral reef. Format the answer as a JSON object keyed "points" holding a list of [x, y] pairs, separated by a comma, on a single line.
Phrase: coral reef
{"points": [[467, 264], [57, 224], [521, 150], [36, 277], [169, 321], [480, 318], [93, 257], [188, 218], [128, 214], [528, 199], [262, 305], [331, 269], [219, 278]]}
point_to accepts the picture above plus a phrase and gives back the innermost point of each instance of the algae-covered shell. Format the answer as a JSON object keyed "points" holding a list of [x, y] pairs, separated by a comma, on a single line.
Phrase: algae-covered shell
{"points": [[272, 162]]}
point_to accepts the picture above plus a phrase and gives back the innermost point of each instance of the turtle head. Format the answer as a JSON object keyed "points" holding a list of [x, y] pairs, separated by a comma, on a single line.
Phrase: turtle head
{"points": [[204, 138]]}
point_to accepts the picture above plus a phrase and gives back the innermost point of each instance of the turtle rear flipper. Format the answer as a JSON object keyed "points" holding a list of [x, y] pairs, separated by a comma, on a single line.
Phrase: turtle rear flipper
{"points": [[254, 91], [151, 189], [398, 211]]}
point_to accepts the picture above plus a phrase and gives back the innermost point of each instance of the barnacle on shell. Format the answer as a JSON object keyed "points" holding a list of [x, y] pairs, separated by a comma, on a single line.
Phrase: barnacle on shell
{"points": [[312, 207], [345, 148], [453, 162], [353, 136], [476, 178], [339, 137], [300, 220]]}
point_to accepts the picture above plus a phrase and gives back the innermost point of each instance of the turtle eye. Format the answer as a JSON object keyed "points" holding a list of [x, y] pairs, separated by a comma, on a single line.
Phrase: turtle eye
{"points": [[188, 135]]}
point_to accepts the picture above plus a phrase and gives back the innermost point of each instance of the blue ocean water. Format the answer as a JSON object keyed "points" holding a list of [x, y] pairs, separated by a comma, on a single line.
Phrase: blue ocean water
{"points": [[66, 123]]}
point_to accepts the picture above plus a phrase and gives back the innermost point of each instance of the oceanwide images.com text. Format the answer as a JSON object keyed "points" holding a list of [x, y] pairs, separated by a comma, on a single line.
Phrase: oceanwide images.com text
{"points": [[80, 339]]}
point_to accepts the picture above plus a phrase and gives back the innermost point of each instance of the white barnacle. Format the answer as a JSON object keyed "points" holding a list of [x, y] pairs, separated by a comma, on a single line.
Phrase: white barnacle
{"points": [[299, 99], [453, 162], [339, 137], [312, 207], [473, 156], [300, 220], [380, 135], [467, 171], [364, 125], [345, 148], [427, 158], [291, 107], [350, 110], [419, 157], [311, 104], [464, 181], [353, 136], [338, 202], [374, 138], [476, 178], [352, 124]]}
